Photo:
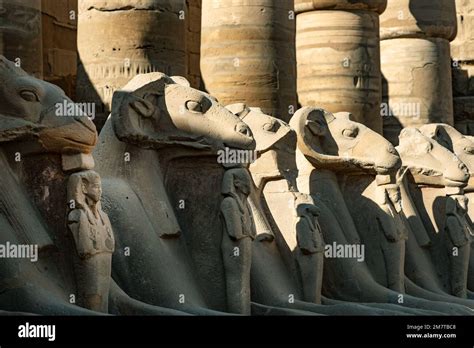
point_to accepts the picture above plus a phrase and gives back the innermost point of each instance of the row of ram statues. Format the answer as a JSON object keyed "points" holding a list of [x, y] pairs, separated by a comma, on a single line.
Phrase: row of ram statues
{"points": [[157, 216]]}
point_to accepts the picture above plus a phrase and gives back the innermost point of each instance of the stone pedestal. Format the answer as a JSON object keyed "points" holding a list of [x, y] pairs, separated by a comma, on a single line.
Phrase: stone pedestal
{"points": [[338, 57], [248, 55], [118, 41], [415, 64]]}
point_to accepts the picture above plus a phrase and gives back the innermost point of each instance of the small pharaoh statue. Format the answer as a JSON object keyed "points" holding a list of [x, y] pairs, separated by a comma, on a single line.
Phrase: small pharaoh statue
{"points": [[393, 223], [239, 232], [310, 252], [94, 240], [459, 234]]}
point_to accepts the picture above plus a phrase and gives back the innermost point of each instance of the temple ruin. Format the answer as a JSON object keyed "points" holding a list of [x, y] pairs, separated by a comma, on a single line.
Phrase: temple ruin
{"points": [[237, 157]]}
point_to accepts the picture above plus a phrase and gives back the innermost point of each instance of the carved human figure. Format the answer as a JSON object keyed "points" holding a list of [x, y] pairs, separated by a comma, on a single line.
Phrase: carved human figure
{"points": [[392, 222], [463, 147], [157, 124], [331, 149], [458, 234], [310, 251], [437, 176], [30, 127], [273, 199], [93, 238], [239, 232]]}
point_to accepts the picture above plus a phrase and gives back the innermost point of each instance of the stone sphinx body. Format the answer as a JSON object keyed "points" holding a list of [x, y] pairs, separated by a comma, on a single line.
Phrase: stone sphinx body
{"points": [[329, 148], [157, 159], [463, 148], [35, 142], [272, 282], [31, 133], [435, 178], [287, 261]]}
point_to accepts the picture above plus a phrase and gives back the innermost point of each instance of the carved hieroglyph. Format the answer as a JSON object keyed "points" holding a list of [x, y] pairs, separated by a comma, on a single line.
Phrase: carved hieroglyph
{"points": [[248, 53], [137, 37], [338, 57], [20, 34], [93, 238], [416, 65]]}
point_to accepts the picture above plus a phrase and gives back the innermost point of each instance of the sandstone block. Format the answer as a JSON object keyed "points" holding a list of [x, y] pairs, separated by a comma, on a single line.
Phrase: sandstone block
{"points": [[338, 63], [248, 55], [21, 43], [311, 5], [139, 37], [419, 18], [462, 48], [77, 162], [416, 83]]}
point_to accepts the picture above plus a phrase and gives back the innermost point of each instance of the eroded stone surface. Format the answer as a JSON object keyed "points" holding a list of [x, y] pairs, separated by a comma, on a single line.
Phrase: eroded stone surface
{"points": [[170, 134], [416, 84], [20, 34], [93, 239], [419, 18], [33, 198], [338, 62], [248, 54], [77, 162], [436, 185], [136, 38], [310, 5], [462, 53]]}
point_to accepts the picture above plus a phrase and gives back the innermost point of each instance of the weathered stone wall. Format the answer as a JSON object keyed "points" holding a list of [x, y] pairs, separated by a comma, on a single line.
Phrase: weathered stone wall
{"points": [[59, 23], [20, 34], [118, 40], [248, 53], [415, 60], [338, 57], [193, 42], [462, 52]]}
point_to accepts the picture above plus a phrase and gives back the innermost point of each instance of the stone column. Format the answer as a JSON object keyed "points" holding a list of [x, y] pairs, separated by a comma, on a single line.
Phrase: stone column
{"points": [[416, 65], [462, 53], [338, 57], [20, 34], [60, 44], [118, 40], [193, 43], [248, 53]]}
